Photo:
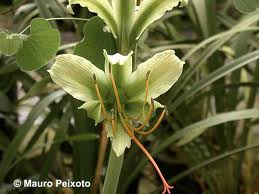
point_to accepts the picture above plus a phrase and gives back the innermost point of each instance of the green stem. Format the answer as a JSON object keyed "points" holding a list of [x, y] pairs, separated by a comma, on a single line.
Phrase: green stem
{"points": [[113, 173]]}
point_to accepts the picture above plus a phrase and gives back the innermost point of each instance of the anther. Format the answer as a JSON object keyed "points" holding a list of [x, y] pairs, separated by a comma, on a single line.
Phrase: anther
{"points": [[147, 75], [151, 110], [155, 126], [94, 78], [167, 187]]}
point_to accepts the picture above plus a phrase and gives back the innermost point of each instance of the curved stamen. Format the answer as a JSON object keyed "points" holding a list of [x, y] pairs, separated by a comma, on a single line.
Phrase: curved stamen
{"points": [[151, 110], [115, 90], [100, 98], [145, 100], [155, 126], [167, 187]]}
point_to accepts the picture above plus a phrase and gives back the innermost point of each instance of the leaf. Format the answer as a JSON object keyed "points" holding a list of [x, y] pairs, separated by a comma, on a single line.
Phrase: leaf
{"points": [[11, 151], [150, 11], [5, 105], [37, 88], [246, 6], [205, 11], [94, 42], [40, 47], [216, 75], [194, 130], [10, 43]]}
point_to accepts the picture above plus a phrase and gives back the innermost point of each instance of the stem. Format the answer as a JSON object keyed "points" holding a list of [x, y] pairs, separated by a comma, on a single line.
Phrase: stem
{"points": [[113, 173]]}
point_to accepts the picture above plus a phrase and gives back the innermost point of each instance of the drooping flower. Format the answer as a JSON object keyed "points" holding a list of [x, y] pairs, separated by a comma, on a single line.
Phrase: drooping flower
{"points": [[122, 99]]}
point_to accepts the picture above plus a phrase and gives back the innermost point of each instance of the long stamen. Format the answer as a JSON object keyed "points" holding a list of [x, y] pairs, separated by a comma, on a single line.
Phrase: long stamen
{"points": [[167, 187], [155, 126], [151, 109], [100, 98], [115, 90], [114, 128]]}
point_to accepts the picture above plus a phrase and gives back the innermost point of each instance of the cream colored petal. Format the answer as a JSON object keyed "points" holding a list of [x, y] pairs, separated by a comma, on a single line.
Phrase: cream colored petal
{"points": [[121, 67], [120, 141], [165, 68], [75, 75], [94, 110]]}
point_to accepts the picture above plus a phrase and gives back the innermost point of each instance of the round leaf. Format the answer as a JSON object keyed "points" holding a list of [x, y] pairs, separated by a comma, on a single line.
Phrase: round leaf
{"points": [[246, 6], [95, 40], [10, 44], [40, 47]]}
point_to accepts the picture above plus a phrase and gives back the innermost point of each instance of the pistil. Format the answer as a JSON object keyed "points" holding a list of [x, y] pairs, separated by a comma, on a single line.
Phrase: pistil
{"points": [[167, 187]]}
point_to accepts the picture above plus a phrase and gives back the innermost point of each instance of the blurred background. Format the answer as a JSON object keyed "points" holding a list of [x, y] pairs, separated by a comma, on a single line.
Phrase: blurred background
{"points": [[206, 145]]}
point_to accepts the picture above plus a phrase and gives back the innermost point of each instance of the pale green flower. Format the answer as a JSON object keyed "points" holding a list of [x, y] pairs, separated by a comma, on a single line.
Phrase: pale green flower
{"points": [[122, 99], [78, 76], [125, 18]]}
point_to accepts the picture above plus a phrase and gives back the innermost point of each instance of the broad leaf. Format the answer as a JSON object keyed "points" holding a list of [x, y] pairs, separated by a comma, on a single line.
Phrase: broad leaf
{"points": [[40, 47], [10, 44], [94, 42], [246, 6]]}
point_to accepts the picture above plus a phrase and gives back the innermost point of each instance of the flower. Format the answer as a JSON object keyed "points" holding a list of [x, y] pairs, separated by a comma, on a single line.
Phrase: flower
{"points": [[122, 99], [125, 18]]}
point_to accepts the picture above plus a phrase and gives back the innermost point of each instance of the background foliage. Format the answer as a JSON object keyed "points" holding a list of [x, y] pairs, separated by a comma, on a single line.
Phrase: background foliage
{"points": [[206, 144]]}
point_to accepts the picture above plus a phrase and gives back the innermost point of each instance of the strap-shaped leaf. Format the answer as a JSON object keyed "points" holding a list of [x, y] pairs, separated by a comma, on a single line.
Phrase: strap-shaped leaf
{"points": [[9, 44], [150, 11], [40, 47], [101, 7]]}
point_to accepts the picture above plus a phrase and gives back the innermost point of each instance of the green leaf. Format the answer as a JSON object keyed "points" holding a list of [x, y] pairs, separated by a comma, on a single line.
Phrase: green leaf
{"points": [[102, 8], [11, 151], [150, 11], [94, 42], [5, 105], [192, 131], [40, 47], [10, 44], [37, 88], [216, 75], [205, 11], [246, 6]]}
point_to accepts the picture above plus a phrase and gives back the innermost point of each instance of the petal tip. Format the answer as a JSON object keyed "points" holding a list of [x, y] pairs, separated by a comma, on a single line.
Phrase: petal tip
{"points": [[70, 10]]}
